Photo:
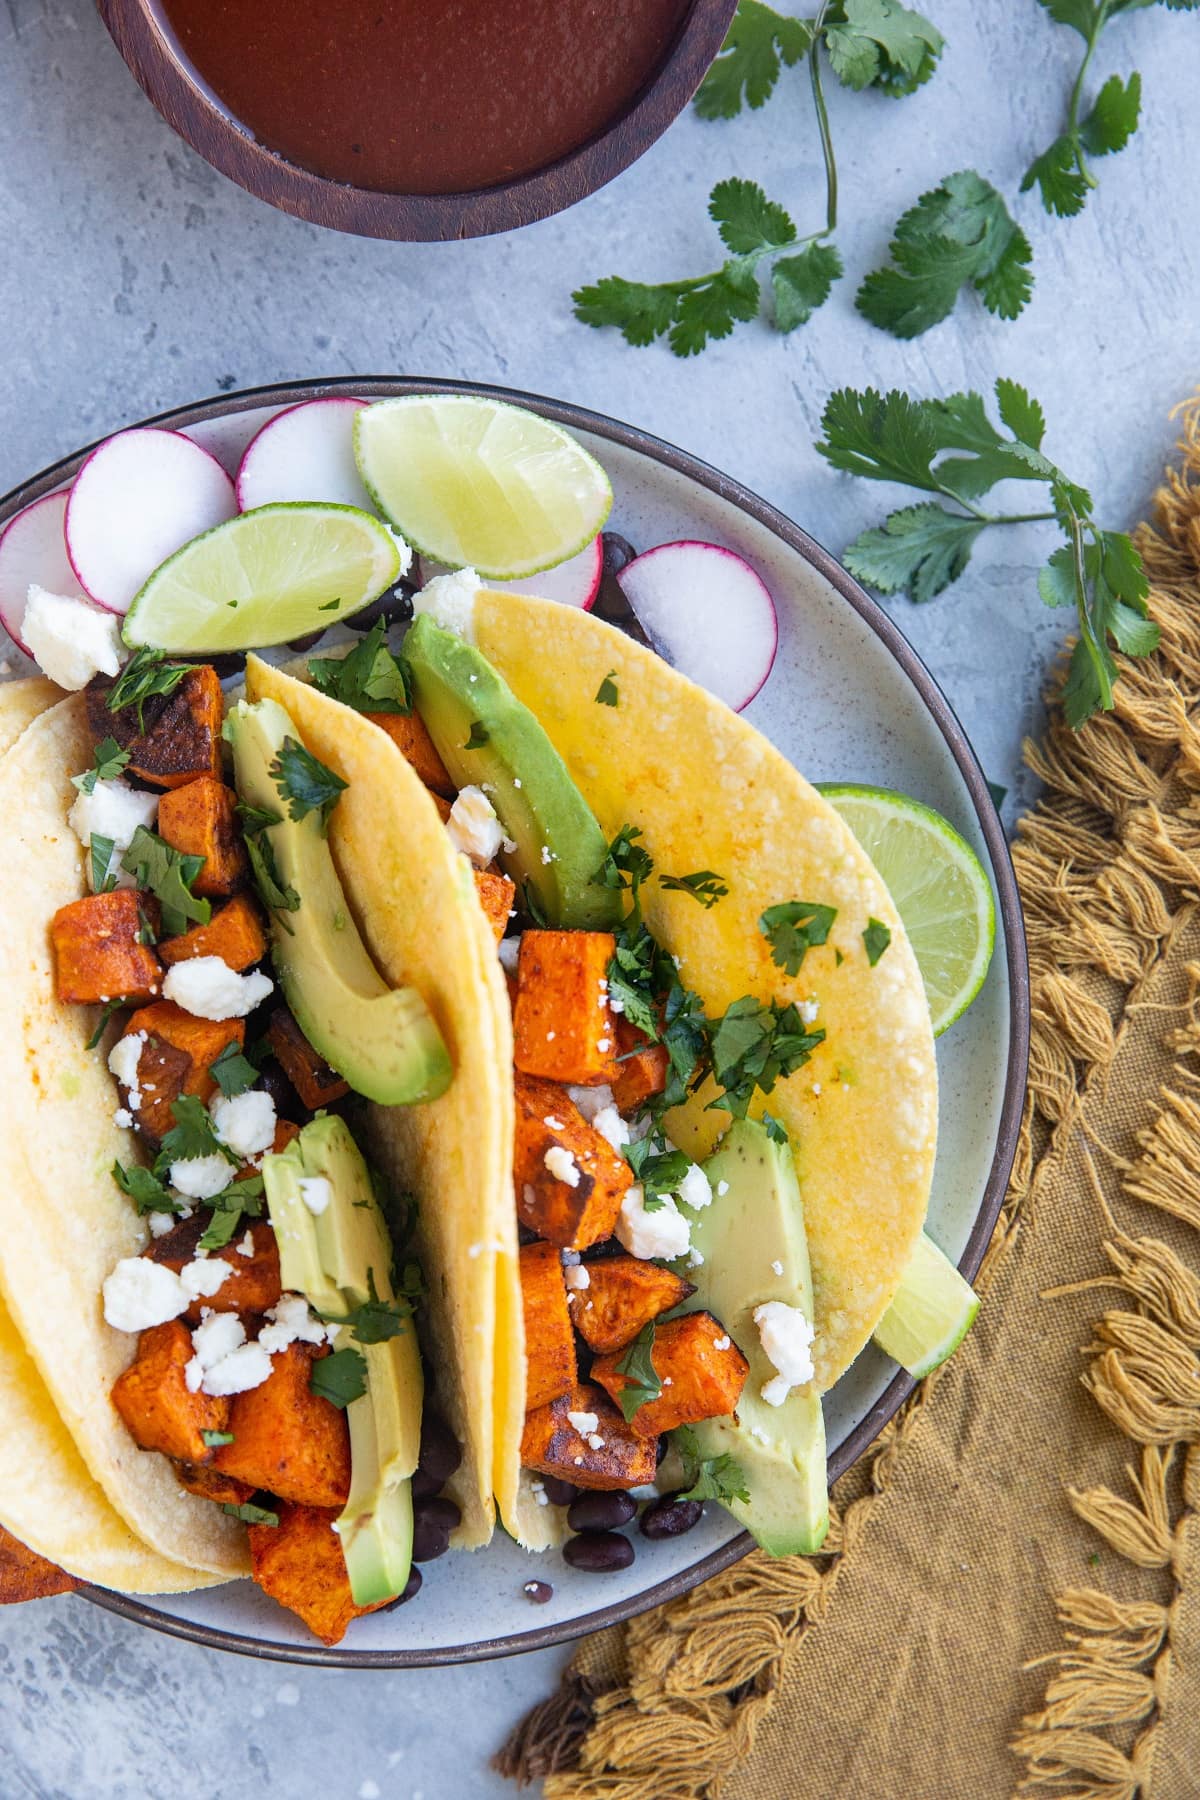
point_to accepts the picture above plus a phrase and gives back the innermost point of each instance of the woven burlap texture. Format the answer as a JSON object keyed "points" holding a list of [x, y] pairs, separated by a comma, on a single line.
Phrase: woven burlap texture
{"points": [[1010, 1602]]}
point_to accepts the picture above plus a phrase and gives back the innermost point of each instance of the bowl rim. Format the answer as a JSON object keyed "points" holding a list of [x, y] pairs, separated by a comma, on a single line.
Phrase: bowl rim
{"points": [[196, 112], [630, 437]]}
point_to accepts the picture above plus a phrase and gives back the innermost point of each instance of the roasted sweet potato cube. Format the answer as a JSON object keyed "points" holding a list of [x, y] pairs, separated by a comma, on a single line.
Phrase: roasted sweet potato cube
{"points": [[549, 1340], [154, 1400], [496, 895], [97, 956], [299, 1562], [407, 731], [24, 1575], [443, 807], [176, 1059], [200, 820], [574, 1198], [234, 933], [254, 1284], [701, 1369], [563, 1028], [641, 1069], [288, 1439], [182, 736], [210, 1484], [608, 1456], [316, 1083], [622, 1295]]}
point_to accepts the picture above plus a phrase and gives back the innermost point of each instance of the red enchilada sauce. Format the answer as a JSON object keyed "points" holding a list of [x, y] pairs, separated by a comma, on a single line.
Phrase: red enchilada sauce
{"points": [[425, 96]]}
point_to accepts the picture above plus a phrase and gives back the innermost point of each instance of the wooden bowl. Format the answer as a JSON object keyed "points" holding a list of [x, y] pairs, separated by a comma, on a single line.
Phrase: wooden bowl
{"points": [[149, 46]]}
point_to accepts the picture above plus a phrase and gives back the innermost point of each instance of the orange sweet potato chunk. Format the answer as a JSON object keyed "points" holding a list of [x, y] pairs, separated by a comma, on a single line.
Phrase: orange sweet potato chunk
{"points": [[234, 933], [97, 956], [210, 1484], [299, 1562], [563, 1029], [288, 1439], [571, 1215], [407, 731], [182, 736], [200, 820], [152, 1397], [622, 1295], [176, 1058], [550, 1443], [254, 1284], [496, 895], [316, 1083], [549, 1340], [699, 1380], [641, 1071], [24, 1575]]}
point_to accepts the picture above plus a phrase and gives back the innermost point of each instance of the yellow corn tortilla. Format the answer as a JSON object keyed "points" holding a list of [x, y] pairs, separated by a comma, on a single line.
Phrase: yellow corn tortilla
{"points": [[20, 703], [709, 792], [414, 900]]}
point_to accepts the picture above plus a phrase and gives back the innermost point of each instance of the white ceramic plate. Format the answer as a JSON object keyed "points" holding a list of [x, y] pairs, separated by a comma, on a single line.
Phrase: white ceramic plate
{"points": [[847, 700]]}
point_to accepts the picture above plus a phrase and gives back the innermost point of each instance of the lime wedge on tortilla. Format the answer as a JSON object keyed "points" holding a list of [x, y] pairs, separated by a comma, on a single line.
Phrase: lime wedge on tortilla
{"points": [[932, 1312], [939, 887], [475, 483], [265, 577]]}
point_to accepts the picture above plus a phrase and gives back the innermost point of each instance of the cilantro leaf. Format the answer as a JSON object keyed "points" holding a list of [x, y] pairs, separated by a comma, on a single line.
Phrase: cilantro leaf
{"points": [[146, 673], [1061, 172], [958, 233], [264, 871], [626, 863], [144, 1189], [370, 678], [879, 43], [192, 1135], [752, 1046], [758, 43], [305, 783], [375, 1321], [918, 550], [1063, 186], [660, 1171], [746, 220], [340, 1378], [640, 312], [709, 1478], [233, 1072], [214, 1439], [793, 928], [886, 437], [1022, 414], [102, 850], [775, 1129], [106, 1013], [802, 283], [478, 736], [107, 763], [704, 885], [1114, 116], [250, 1514], [643, 1382], [876, 937], [169, 875], [257, 818], [241, 1199], [606, 693]]}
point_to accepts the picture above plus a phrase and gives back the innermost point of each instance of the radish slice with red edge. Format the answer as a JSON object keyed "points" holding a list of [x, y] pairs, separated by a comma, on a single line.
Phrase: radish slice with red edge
{"points": [[575, 582], [33, 548], [708, 614], [138, 498], [304, 453]]}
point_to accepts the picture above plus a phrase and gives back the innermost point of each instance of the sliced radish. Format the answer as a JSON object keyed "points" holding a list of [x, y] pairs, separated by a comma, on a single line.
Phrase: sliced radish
{"points": [[305, 453], [33, 548], [137, 499], [708, 614], [575, 582]]}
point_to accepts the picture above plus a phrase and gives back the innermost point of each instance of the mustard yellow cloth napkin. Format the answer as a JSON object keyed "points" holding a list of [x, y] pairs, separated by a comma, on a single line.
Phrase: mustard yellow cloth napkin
{"points": [[1010, 1599]]}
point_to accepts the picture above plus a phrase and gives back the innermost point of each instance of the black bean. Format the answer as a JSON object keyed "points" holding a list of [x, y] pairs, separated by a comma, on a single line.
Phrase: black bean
{"points": [[599, 1552], [439, 1512], [538, 1591], [424, 1486], [429, 1541], [394, 607], [301, 644], [440, 1453], [559, 1493], [670, 1516], [412, 1587], [601, 1511], [618, 551]]}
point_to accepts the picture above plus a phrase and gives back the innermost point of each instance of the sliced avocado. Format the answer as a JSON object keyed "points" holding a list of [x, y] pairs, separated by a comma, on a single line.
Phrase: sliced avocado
{"points": [[335, 1258], [382, 1040], [752, 1239], [560, 848], [931, 1314]]}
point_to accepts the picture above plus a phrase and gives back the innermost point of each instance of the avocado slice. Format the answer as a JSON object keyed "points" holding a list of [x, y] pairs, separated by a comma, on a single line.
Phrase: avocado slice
{"points": [[335, 1258], [560, 847], [382, 1040], [931, 1314], [752, 1239]]}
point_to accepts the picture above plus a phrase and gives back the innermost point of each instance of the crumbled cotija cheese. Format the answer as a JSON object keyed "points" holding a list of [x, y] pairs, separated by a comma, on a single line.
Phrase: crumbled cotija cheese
{"points": [[208, 988], [562, 1165], [787, 1338]]}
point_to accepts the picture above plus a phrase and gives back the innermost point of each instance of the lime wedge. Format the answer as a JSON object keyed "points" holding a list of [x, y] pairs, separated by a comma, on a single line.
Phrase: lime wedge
{"points": [[263, 578], [938, 885], [932, 1312], [477, 484]]}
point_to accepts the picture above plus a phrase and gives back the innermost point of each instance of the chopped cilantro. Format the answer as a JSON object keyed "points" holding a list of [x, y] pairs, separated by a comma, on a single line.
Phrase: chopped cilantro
{"points": [[103, 849], [250, 1515], [876, 937], [626, 864], [233, 1072], [659, 1171], [110, 1007], [793, 928], [192, 1135], [753, 1046], [305, 783], [241, 1199], [709, 1478], [145, 930], [257, 818], [606, 693], [340, 1378], [642, 1379], [705, 885], [375, 1321], [267, 880], [146, 673], [478, 735], [369, 679], [144, 1188], [109, 760], [214, 1439], [775, 1129], [169, 876]]}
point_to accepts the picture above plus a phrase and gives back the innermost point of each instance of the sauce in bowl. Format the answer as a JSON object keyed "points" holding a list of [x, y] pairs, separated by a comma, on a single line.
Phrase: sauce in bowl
{"points": [[425, 96]]}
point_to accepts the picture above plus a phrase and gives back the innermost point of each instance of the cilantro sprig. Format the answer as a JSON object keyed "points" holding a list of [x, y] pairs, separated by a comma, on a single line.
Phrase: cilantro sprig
{"points": [[191, 1136], [658, 1169], [340, 1378], [951, 448], [264, 870], [642, 1380], [233, 1072], [704, 885], [305, 782], [709, 1477], [370, 678], [169, 875], [145, 674], [793, 928], [376, 1321], [960, 233], [108, 760]]}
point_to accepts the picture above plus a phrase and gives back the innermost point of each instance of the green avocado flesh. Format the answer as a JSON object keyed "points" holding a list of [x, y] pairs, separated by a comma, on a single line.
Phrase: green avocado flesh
{"points": [[933, 1310], [334, 1258], [382, 1040], [560, 848], [754, 1225]]}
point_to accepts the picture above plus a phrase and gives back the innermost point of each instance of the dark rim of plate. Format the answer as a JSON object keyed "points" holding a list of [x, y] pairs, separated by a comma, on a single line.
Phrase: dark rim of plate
{"points": [[1012, 928]]}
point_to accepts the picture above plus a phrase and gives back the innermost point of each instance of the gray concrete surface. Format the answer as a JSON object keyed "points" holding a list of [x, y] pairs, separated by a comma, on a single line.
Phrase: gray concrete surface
{"points": [[133, 277]]}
